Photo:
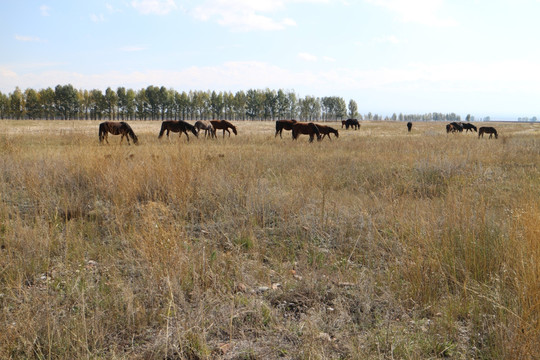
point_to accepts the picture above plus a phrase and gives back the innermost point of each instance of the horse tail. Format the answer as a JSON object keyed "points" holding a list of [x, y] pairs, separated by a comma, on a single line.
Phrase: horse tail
{"points": [[162, 130], [278, 127], [101, 132]]}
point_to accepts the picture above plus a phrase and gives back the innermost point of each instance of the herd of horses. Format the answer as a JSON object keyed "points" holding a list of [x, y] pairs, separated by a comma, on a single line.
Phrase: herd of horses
{"points": [[457, 127], [296, 127]]}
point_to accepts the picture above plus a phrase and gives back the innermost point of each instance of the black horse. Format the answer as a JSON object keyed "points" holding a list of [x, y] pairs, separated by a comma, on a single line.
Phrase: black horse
{"points": [[471, 127], [179, 126], [352, 123], [409, 126]]}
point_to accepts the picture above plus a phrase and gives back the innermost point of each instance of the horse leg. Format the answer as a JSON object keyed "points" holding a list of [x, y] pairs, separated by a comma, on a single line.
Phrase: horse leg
{"points": [[185, 132]]}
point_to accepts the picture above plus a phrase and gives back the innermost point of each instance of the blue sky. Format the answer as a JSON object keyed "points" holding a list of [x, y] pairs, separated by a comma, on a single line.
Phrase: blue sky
{"points": [[412, 56]]}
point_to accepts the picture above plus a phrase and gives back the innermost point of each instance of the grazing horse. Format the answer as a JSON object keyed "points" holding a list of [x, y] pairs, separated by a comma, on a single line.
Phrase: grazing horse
{"points": [[283, 125], [487, 130], [306, 128], [179, 126], [457, 126], [352, 123], [225, 126], [343, 123], [454, 127], [409, 126], [116, 128], [471, 127], [206, 126], [327, 130]]}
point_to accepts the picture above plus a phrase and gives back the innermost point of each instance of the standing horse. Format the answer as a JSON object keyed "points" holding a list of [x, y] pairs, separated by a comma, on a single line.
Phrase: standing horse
{"points": [[306, 128], [327, 130], [283, 125], [343, 123], [225, 126], [352, 123], [471, 127], [179, 126], [206, 126], [409, 126], [116, 128], [487, 130]]}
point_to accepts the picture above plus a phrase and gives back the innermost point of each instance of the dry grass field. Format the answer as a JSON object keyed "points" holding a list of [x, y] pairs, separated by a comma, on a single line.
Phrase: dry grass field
{"points": [[378, 245]]}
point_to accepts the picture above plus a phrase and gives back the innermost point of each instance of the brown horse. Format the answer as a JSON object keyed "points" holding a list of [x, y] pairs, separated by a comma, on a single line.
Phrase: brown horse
{"points": [[206, 126], [327, 130], [306, 128], [225, 126], [179, 126], [283, 125], [116, 128], [487, 130]]}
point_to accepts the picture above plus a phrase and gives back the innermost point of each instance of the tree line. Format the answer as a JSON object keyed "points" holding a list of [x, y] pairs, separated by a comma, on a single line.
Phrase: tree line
{"points": [[159, 103]]}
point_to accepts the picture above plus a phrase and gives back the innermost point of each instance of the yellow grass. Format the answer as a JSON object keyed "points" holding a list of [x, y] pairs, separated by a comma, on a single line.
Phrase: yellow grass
{"points": [[379, 244]]}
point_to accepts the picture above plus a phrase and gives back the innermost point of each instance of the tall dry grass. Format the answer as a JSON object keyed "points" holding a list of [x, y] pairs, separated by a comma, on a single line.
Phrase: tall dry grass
{"points": [[379, 244]]}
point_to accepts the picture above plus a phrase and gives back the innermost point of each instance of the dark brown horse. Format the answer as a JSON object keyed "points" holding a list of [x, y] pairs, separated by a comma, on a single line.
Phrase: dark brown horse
{"points": [[116, 128], [206, 126], [283, 125], [488, 130], [179, 126], [225, 126], [352, 123], [327, 130], [471, 127], [409, 126], [306, 128]]}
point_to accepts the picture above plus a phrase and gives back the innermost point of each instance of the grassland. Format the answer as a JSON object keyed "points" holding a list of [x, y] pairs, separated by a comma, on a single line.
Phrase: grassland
{"points": [[377, 245]]}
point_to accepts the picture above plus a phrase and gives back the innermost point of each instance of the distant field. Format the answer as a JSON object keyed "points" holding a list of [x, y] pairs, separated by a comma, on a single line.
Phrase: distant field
{"points": [[380, 244]]}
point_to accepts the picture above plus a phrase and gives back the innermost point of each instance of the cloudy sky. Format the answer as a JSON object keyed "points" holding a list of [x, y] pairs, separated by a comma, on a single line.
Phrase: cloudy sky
{"points": [[411, 56]]}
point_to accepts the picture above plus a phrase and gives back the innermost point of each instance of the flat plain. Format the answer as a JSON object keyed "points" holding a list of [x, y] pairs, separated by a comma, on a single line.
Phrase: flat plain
{"points": [[380, 244]]}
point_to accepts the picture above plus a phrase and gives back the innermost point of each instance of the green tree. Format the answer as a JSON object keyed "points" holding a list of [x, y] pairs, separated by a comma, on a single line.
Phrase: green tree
{"points": [[269, 102], [4, 106], [32, 105], [353, 109], [254, 104], [121, 95], [111, 101], [46, 101], [66, 101], [16, 102], [216, 104], [240, 105], [310, 108], [97, 104], [141, 104]]}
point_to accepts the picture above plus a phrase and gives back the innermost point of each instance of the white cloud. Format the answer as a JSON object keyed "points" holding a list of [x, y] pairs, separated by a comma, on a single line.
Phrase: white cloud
{"points": [[28, 38], [44, 9], [425, 12], [244, 15], [158, 7], [97, 18], [307, 57]]}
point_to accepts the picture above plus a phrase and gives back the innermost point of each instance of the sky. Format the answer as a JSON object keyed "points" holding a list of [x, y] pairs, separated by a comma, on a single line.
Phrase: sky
{"points": [[478, 57]]}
